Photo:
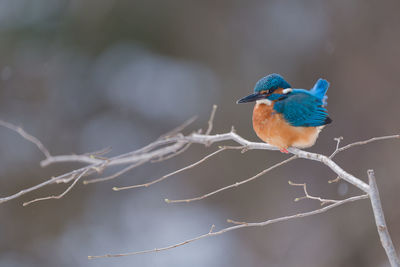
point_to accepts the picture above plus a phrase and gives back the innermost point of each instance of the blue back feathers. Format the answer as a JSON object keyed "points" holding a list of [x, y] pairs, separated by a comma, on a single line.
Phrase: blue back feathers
{"points": [[305, 108], [271, 82]]}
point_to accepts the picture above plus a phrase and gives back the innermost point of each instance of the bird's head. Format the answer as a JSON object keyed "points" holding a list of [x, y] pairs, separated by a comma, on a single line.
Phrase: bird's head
{"points": [[265, 88]]}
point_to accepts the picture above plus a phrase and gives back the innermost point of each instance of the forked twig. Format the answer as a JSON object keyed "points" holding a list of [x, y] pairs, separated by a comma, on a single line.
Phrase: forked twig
{"points": [[307, 195], [60, 195], [362, 143]]}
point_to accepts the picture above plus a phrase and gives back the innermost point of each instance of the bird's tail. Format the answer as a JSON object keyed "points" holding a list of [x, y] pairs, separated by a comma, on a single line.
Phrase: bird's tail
{"points": [[319, 90]]}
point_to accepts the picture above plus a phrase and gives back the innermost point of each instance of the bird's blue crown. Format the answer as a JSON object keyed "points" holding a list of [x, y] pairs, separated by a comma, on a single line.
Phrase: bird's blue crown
{"points": [[271, 83]]}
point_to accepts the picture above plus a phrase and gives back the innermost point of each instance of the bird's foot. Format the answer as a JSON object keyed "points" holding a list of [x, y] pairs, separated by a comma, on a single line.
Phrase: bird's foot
{"points": [[284, 150]]}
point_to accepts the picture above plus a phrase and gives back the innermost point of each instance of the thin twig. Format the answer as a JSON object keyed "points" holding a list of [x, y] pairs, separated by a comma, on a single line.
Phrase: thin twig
{"points": [[338, 140], [307, 195], [239, 226], [100, 152], [212, 228], [396, 136], [172, 155], [124, 158], [384, 235], [117, 174], [27, 137], [232, 185], [60, 195], [170, 174], [211, 120], [178, 129]]}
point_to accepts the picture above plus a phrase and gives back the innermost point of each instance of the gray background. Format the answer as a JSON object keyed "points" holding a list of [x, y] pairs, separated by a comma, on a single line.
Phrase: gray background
{"points": [[84, 75]]}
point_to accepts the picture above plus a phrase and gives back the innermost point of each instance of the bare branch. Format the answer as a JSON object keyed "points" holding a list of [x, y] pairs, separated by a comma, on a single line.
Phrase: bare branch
{"points": [[167, 146], [117, 174], [175, 143], [233, 185], [386, 241], [172, 173], [118, 160], [322, 200], [60, 195], [27, 137], [38, 186], [162, 148], [359, 143], [238, 226], [125, 158], [71, 158]]}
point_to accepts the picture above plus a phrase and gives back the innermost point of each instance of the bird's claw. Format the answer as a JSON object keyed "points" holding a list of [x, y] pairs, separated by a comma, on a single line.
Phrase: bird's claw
{"points": [[284, 150]]}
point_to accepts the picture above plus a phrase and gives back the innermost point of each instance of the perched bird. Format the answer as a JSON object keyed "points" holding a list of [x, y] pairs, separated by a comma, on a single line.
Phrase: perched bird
{"points": [[286, 117]]}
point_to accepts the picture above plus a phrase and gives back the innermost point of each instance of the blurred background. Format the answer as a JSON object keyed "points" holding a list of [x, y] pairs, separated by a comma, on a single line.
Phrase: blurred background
{"points": [[85, 75]]}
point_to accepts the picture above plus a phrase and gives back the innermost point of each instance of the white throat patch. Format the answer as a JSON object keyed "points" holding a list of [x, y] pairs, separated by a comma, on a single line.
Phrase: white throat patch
{"points": [[264, 101]]}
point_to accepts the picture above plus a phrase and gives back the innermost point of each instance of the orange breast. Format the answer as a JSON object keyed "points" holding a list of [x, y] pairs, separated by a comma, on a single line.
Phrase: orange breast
{"points": [[273, 129]]}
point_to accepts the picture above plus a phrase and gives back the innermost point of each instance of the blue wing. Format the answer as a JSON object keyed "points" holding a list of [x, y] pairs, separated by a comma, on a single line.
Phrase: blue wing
{"points": [[303, 109]]}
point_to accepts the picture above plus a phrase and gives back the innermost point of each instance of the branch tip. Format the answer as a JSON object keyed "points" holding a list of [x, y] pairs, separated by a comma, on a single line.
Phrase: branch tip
{"points": [[211, 120], [211, 229], [337, 179]]}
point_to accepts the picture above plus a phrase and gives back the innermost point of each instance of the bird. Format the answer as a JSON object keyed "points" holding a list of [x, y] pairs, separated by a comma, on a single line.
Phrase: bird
{"points": [[286, 117]]}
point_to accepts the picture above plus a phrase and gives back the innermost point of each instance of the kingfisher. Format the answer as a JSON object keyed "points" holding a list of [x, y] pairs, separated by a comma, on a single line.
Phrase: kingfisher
{"points": [[286, 117]]}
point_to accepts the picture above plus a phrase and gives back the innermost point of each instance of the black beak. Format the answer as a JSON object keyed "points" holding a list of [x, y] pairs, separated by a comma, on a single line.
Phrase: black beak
{"points": [[251, 98]]}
